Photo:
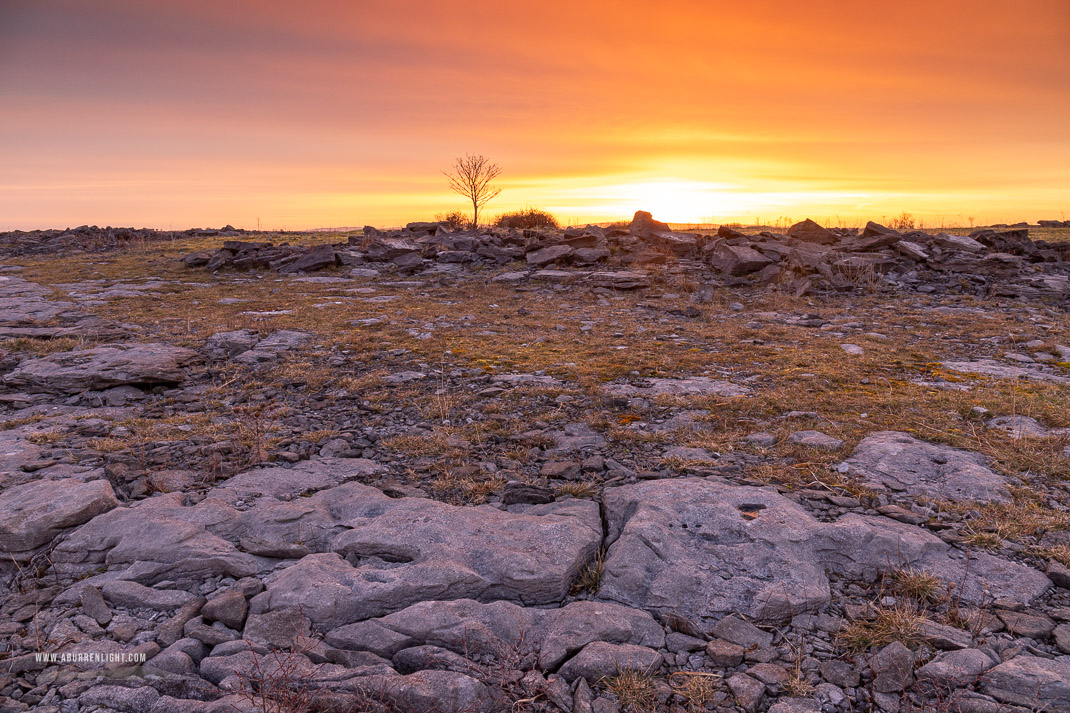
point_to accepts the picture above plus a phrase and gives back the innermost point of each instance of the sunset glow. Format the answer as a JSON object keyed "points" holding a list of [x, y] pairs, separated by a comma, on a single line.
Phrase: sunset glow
{"points": [[331, 113]]}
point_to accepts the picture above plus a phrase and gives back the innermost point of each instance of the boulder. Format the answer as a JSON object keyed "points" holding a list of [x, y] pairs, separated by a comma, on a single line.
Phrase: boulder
{"points": [[644, 226], [315, 258], [810, 232], [955, 669], [103, 367], [33, 513], [736, 260], [599, 659], [225, 345], [619, 280], [385, 249], [957, 243], [873, 230], [548, 255]]}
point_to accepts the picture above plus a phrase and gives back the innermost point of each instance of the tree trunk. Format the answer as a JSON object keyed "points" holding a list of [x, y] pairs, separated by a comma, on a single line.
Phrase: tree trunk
{"points": [[475, 214]]}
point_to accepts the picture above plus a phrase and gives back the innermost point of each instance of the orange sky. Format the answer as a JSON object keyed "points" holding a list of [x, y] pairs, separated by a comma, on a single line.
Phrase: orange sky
{"points": [[327, 113]]}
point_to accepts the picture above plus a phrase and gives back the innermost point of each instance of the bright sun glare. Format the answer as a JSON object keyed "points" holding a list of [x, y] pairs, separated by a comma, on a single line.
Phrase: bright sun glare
{"points": [[674, 201]]}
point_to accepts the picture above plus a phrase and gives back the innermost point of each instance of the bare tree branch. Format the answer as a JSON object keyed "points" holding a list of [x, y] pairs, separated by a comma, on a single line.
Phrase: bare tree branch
{"points": [[471, 177]]}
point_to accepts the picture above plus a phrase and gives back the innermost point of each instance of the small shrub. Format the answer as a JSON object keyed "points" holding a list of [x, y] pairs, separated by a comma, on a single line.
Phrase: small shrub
{"points": [[901, 222], [454, 219], [697, 687], [526, 218]]}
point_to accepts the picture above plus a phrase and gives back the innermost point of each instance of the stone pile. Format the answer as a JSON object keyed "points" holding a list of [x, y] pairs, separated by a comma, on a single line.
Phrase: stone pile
{"points": [[807, 257]]}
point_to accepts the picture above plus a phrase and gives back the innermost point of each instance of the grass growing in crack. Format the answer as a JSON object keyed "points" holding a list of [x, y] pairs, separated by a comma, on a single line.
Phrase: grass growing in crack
{"points": [[1059, 553], [578, 489], [590, 578], [901, 623], [635, 690]]}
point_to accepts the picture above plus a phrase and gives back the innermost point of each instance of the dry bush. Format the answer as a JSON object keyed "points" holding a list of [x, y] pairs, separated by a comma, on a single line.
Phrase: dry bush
{"points": [[920, 586], [528, 218], [455, 219], [458, 487]]}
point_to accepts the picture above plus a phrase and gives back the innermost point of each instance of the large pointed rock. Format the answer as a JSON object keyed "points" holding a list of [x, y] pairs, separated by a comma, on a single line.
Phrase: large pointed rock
{"points": [[811, 232], [736, 260]]}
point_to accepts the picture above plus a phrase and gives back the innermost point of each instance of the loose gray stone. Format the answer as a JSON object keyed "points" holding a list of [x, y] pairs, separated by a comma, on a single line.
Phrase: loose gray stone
{"points": [[229, 608], [94, 605], [748, 691], [893, 668], [136, 596], [599, 659], [815, 439], [953, 669], [120, 698]]}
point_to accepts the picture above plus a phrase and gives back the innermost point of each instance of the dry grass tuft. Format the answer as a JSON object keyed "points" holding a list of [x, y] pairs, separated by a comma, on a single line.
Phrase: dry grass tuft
{"points": [[696, 687], [635, 690], [459, 487], [578, 489], [900, 623], [920, 586], [43, 347]]}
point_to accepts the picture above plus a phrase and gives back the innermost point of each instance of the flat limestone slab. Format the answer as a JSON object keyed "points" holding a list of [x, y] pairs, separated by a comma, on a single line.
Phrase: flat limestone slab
{"points": [[397, 552], [898, 462], [991, 367], [703, 548], [103, 367]]}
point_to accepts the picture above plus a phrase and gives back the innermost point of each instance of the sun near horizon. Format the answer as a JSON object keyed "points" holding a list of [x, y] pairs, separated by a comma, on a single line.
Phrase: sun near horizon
{"points": [[179, 114]]}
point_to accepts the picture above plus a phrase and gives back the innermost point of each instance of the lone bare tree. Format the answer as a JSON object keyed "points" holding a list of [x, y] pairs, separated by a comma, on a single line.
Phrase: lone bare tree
{"points": [[471, 176]]}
